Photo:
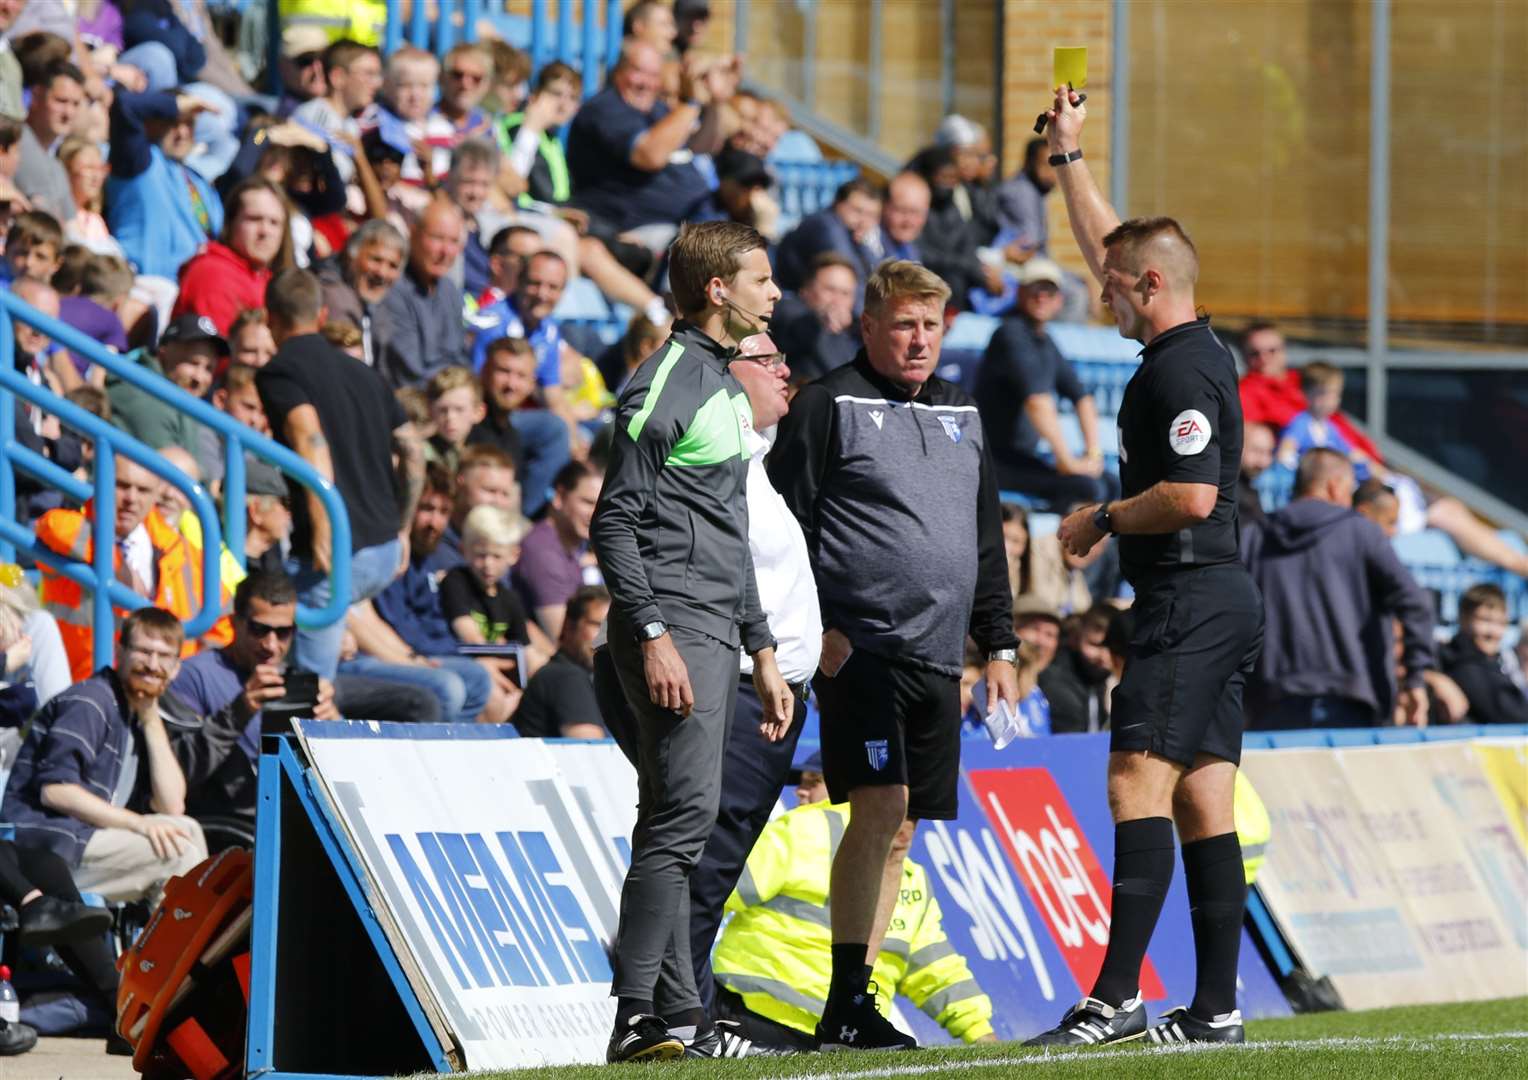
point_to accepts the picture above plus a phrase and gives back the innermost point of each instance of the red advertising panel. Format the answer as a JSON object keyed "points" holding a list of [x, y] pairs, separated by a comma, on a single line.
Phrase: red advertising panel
{"points": [[1057, 866]]}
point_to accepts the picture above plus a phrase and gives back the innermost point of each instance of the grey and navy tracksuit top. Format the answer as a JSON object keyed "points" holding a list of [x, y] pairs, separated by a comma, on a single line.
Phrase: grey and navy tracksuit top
{"points": [[671, 527], [900, 509]]}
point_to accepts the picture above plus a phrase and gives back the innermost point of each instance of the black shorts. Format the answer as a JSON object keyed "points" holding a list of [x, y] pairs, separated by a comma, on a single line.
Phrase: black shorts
{"points": [[890, 723], [1196, 639]]}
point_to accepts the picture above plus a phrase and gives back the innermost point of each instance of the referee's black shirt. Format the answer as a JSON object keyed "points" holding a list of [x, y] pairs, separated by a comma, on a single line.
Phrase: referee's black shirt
{"points": [[1181, 422]]}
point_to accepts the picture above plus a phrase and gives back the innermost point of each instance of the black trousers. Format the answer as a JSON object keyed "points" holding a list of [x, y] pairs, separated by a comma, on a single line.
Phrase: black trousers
{"points": [[23, 869], [753, 774]]}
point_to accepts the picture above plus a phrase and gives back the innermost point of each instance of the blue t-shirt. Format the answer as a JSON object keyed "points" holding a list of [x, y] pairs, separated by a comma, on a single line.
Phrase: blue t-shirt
{"points": [[1308, 433], [208, 682], [500, 320], [608, 185]]}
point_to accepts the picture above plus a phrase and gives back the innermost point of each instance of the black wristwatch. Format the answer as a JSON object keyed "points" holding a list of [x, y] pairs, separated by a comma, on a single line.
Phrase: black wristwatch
{"points": [[1064, 159], [1102, 521], [652, 631]]}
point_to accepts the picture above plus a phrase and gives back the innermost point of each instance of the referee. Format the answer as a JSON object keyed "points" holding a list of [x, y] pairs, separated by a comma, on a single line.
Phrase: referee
{"points": [[1177, 716], [671, 535]]}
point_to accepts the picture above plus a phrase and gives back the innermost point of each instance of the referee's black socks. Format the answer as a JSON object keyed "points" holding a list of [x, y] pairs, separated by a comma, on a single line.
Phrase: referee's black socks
{"points": [[1217, 900], [1143, 868], [850, 972]]}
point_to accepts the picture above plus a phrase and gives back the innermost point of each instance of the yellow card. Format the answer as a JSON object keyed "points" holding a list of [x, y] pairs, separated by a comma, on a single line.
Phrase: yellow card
{"points": [[1069, 66]]}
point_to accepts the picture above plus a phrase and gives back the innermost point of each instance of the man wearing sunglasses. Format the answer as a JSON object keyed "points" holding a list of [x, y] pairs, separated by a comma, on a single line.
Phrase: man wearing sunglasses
{"points": [[216, 700]]}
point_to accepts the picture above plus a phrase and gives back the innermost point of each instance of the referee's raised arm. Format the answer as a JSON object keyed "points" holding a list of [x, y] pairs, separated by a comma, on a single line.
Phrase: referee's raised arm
{"points": [[1091, 216]]}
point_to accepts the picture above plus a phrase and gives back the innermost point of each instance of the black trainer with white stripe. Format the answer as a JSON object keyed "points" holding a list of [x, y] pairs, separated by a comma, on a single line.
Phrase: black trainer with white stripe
{"points": [[1178, 1025], [1093, 1023], [643, 1038], [726, 1040]]}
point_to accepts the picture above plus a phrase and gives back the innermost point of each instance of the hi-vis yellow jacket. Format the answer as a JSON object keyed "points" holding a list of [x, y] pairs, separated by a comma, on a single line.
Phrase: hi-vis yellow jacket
{"points": [[775, 950]]}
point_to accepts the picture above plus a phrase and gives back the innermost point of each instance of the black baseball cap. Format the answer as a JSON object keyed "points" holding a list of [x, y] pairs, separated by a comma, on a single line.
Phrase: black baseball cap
{"points": [[191, 327]]}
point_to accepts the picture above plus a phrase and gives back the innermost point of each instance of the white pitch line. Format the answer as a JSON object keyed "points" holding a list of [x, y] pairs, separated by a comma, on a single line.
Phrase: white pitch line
{"points": [[1064, 1056]]}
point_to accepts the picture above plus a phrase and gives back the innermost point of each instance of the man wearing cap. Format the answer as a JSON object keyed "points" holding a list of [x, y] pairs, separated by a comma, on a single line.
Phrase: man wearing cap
{"points": [[302, 66], [189, 352], [1021, 374], [742, 192]]}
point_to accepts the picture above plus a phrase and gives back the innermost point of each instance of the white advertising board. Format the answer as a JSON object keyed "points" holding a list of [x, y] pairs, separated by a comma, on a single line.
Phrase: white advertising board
{"points": [[501, 879]]}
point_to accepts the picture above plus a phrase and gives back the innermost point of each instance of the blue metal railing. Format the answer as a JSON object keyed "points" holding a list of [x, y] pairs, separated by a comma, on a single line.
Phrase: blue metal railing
{"points": [[99, 576], [592, 44]]}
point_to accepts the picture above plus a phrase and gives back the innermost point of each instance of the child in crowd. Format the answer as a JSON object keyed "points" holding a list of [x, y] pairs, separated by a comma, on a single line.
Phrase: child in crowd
{"points": [[34, 247], [354, 75], [249, 339], [93, 400], [1322, 384], [413, 77], [91, 290], [478, 602], [1474, 659], [456, 407], [345, 336]]}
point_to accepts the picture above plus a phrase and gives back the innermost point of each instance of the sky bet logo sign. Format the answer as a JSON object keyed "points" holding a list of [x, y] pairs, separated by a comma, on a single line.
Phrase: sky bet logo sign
{"points": [[1057, 866], [499, 910]]}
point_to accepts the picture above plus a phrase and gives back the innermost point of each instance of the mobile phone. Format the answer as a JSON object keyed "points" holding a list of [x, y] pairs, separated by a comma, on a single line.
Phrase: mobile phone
{"points": [[297, 703]]}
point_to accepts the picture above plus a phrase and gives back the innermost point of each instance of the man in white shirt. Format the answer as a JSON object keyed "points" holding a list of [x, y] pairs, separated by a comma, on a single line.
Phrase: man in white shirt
{"points": [[755, 769]]}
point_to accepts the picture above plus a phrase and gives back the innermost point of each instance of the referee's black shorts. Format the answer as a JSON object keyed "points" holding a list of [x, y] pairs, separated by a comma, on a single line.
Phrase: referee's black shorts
{"points": [[885, 722], [1196, 640]]}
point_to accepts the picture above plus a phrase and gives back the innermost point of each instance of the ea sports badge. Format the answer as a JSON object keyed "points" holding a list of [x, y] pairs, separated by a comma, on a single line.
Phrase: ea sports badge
{"points": [[1189, 433]]}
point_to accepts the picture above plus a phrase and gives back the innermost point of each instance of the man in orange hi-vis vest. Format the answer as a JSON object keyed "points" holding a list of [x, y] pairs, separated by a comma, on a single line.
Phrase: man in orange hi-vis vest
{"points": [[152, 559]]}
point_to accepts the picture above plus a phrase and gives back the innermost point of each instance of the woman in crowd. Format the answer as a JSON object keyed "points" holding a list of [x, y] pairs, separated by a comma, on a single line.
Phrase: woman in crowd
{"points": [[231, 274]]}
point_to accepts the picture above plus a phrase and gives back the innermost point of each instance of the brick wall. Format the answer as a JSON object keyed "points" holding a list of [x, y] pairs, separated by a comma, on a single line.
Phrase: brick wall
{"points": [[1031, 28]]}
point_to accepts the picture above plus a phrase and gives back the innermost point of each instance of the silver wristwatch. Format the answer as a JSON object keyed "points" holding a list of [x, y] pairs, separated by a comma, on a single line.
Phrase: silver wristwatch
{"points": [[652, 631], [1010, 655]]}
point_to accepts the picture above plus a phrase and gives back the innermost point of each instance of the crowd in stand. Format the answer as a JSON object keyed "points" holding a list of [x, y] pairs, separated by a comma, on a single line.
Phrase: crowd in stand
{"points": [[368, 270]]}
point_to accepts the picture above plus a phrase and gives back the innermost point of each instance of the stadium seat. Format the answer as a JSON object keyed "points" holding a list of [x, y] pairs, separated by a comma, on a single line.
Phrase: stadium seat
{"points": [[796, 148], [1430, 546], [1299, 740], [806, 187]]}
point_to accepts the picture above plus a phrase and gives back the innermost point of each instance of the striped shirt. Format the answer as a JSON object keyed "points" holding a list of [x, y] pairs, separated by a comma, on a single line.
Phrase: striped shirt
{"points": [[81, 737]]}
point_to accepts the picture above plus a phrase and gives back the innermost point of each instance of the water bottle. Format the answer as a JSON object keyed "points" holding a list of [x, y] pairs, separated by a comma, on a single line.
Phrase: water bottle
{"points": [[10, 1007]]}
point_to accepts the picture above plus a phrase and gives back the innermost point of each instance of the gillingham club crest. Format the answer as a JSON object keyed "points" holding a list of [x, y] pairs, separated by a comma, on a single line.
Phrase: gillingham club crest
{"points": [[877, 753], [951, 428]]}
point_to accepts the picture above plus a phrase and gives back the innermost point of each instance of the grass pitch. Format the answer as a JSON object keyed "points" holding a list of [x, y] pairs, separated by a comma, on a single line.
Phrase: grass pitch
{"points": [[1479, 1040]]}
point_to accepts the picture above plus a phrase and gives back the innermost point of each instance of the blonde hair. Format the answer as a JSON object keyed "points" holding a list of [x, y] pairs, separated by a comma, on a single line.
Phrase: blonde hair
{"points": [[896, 279], [16, 603], [494, 525], [342, 334], [452, 378], [71, 148]]}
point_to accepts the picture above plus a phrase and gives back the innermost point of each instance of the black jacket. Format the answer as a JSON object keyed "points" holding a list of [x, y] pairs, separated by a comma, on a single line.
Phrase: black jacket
{"points": [[1078, 697], [1331, 584], [1494, 698], [900, 511]]}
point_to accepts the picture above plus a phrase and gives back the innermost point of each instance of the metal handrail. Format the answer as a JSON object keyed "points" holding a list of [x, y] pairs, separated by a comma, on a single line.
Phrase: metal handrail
{"points": [[238, 439]]}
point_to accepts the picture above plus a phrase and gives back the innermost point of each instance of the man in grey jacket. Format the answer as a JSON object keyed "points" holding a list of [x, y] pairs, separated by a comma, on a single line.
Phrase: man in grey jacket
{"points": [[888, 471], [671, 535], [1332, 585]]}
